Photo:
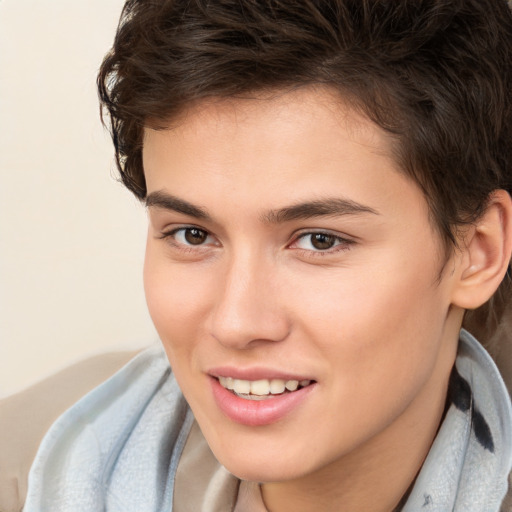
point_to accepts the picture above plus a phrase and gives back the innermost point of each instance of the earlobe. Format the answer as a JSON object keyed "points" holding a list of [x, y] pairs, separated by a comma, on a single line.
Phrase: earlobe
{"points": [[485, 253]]}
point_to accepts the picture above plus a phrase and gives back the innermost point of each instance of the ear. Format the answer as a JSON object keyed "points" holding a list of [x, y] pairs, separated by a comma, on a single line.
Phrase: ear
{"points": [[485, 253]]}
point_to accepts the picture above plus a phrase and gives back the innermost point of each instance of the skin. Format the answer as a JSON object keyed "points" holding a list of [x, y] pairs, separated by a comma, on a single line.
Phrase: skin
{"points": [[367, 319]]}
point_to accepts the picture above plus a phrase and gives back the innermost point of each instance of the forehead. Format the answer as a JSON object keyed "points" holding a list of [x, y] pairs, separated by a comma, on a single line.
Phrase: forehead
{"points": [[269, 151], [265, 120]]}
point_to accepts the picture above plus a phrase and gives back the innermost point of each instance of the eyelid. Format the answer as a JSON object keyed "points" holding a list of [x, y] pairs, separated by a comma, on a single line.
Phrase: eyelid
{"points": [[343, 242], [169, 234]]}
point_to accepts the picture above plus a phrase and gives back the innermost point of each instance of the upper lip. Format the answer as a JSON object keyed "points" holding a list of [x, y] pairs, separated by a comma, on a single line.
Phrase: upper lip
{"points": [[255, 373]]}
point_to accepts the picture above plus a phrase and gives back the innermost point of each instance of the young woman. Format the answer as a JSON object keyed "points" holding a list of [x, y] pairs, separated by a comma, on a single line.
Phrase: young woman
{"points": [[327, 192]]}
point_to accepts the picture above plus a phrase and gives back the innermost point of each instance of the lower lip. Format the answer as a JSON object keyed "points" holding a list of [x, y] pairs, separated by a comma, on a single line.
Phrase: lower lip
{"points": [[255, 413]]}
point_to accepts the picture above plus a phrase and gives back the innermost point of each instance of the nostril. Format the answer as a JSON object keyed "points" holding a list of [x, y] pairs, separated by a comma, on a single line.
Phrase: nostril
{"points": [[250, 331]]}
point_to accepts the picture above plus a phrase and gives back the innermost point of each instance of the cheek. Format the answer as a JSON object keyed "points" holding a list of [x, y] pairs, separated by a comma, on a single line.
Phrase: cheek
{"points": [[176, 297], [386, 320], [380, 347]]}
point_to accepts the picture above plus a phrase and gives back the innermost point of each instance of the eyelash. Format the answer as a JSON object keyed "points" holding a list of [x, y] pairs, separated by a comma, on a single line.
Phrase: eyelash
{"points": [[341, 243], [170, 236]]}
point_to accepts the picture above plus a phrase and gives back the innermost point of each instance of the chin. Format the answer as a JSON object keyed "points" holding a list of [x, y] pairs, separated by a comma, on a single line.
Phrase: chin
{"points": [[264, 472], [261, 465]]}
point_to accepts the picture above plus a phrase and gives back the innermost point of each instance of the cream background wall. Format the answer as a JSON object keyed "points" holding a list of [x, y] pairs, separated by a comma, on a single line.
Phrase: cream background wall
{"points": [[71, 237]]}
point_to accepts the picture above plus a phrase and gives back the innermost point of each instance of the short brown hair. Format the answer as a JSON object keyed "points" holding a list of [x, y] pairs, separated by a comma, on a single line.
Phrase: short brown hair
{"points": [[435, 74]]}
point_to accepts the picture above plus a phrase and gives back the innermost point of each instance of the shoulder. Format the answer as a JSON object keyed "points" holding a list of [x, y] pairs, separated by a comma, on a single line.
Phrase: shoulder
{"points": [[507, 502], [118, 446], [26, 417]]}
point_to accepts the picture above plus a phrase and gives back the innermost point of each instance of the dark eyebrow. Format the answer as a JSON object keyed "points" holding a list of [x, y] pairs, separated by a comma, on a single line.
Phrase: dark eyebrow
{"points": [[320, 208], [166, 201]]}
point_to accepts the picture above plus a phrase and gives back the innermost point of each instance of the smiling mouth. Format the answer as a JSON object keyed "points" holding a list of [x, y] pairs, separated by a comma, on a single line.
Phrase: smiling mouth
{"points": [[261, 389]]}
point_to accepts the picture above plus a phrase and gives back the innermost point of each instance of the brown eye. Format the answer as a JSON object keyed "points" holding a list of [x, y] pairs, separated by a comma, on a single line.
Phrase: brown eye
{"points": [[322, 241], [195, 236]]}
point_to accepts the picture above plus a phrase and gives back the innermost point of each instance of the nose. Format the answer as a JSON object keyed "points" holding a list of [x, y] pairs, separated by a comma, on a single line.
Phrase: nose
{"points": [[249, 310]]}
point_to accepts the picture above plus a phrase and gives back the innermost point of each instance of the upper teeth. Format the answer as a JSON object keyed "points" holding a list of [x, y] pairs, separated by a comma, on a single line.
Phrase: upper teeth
{"points": [[261, 387]]}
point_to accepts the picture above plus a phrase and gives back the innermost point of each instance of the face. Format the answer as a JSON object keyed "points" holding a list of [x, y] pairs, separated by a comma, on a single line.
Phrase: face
{"points": [[289, 259]]}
